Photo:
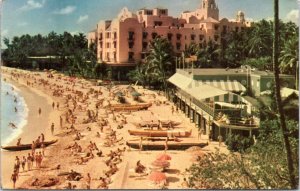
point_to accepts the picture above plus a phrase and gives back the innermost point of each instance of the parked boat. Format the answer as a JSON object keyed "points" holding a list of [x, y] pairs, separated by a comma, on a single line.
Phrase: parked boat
{"points": [[160, 133], [130, 107], [167, 123], [160, 145], [27, 146]]}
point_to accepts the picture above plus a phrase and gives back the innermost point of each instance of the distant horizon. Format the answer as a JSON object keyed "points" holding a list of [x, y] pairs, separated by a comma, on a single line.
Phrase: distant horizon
{"points": [[43, 16]]}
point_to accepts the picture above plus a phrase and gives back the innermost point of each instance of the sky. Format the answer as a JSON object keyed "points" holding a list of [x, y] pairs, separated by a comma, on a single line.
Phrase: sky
{"points": [[20, 17]]}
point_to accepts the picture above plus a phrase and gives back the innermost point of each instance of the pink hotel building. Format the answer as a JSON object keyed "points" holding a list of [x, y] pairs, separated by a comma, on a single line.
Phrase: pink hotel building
{"points": [[124, 40]]}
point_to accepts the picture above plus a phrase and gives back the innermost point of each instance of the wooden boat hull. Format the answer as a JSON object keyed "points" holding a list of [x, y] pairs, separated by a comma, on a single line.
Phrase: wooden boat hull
{"points": [[155, 124], [27, 146], [130, 107], [161, 145], [159, 133]]}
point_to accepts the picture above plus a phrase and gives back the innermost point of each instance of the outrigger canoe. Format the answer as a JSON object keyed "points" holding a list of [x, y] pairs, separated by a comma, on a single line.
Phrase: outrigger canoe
{"points": [[160, 145], [27, 146], [156, 124], [130, 107], [160, 133]]}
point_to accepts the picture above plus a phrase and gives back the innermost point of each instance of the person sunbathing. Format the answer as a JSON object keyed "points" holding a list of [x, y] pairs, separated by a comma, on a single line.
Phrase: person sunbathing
{"points": [[139, 168]]}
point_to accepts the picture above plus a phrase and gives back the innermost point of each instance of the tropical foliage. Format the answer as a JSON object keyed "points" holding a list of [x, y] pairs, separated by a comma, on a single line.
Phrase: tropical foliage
{"points": [[57, 51], [262, 166], [158, 66]]}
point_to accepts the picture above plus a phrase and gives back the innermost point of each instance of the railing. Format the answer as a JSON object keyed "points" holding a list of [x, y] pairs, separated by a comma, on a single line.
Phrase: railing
{"points": [[198, 103]]}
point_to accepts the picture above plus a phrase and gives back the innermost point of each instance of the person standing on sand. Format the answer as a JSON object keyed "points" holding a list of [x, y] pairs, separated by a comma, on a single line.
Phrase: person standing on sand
{"points": [[60, 121], [23, 163], [53, 105], [29, 162], [141, 144], [14, 178], [42, 137], [43, 148], [166, 144], [57, 105], [40, 111], [33, 148], [52, 128], [88, 181]]}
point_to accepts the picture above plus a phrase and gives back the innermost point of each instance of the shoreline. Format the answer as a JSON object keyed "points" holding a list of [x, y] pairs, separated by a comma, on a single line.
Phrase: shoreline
{"points": [[29, 132], [22, 121]]}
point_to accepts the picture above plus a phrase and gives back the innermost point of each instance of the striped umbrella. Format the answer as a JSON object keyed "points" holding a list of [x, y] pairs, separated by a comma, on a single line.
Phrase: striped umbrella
{"points": [[157, 177]]}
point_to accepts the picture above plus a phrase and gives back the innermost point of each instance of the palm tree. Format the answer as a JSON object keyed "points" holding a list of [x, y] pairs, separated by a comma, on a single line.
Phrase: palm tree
{"points": [[293, 181], [289, 58], [209, 56], [260, 39], [160, 60]]}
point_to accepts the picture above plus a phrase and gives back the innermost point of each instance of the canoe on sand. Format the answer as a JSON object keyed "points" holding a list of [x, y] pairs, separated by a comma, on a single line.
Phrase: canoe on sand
{"points": [[160, 145], [27, 146], [160, 133]]}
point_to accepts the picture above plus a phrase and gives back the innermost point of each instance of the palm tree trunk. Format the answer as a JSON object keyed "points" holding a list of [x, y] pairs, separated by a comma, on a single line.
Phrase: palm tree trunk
{"points": [[284, 130]]}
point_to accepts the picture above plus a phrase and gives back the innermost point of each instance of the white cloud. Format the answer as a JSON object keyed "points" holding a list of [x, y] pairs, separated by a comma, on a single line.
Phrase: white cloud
{"points": [[65, 11], [293, 16], [22, 24], [82, 18], [31, 4], [4, 32]]}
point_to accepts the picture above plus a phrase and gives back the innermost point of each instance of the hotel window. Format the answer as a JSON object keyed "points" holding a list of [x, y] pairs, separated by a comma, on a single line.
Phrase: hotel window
{"points": [[178, 45], [107, 55], [130, 35], [115, 35], [130, 44], [149, 12], [178, 36], [101, 36], [154, 35], [201, 37], [108, 35], [216, 37], [100, 55], [157, 23], [130, 56], [200, 45], [170, 36], [216, 27], [163, 12], [107, 45], [145, 34], [193, 37], [115, 44], [101, 44], [145, 44], [115, 55]]}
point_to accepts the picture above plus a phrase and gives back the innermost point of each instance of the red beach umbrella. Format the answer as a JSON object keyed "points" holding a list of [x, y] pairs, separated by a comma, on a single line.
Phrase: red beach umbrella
{"points": [[163, 156], [157, 176], [161, 163]]}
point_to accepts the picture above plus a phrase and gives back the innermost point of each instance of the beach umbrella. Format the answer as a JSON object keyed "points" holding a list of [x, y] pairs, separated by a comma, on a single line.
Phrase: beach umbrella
{"points": [[136, 94], [161, 163], [157, 176], [163, 157]]}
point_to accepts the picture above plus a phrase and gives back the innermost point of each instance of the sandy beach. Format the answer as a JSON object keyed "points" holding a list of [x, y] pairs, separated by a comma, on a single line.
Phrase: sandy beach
{"points": [[39, 91]]}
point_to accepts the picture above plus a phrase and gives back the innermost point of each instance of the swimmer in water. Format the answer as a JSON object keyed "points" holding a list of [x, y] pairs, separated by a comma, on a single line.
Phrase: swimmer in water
{"points": [[12, 125], [16, 110]]}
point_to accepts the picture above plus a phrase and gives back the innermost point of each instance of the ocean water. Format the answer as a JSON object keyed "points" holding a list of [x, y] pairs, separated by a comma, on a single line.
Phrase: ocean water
{"points": [[8, 114]]}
